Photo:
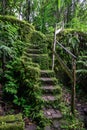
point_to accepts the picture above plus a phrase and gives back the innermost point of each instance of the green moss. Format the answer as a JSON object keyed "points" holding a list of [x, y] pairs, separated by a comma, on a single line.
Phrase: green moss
{"points": [[24, 29], [44, 61], [37, 37], [40, 39], [34, 72], [22, 76], [47, 73], [11, 122], [41, 59], [16, 21], [11, 118], [26, 33], [12, 126]]}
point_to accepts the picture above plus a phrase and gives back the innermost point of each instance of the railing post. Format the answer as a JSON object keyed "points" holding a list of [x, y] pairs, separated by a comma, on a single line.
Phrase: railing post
{"points": [[73, 87], [54, 46], [62, 25]]}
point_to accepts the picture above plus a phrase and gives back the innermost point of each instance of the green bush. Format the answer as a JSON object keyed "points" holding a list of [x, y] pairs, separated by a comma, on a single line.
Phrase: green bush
{"points": [[22, 81]]}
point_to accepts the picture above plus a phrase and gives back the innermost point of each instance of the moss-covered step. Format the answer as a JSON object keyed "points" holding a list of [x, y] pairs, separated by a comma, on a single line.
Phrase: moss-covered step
{"points": [[47, 73], [37, 46], [35, 51], [11, 122], [51, 101], [33, 46], [48, 81], [41, 59], [51, 89], [43, 47], [52, 114], [12, 126]]}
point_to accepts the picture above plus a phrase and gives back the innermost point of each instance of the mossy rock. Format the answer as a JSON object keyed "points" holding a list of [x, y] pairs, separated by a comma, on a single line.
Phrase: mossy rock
{"points": [[12, 126], [11, 122], [11, 118]]}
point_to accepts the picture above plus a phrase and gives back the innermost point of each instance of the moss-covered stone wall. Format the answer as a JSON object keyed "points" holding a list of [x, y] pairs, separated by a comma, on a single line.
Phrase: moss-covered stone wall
{"points": [[21, 75]]}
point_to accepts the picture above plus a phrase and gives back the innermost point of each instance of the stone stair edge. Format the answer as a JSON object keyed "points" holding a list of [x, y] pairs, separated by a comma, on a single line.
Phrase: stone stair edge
{"points": [[52, 113]]}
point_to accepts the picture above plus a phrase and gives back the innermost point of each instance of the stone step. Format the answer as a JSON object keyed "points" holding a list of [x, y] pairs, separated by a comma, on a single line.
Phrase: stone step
{"points": [[52, 114], [41, 59], [31, 55], [35, 51], [51, 100], [48, 81], [47, 73], [10, 122], [34, 46], [37, 57], [48, 98], [25, 57], [40, 46], [51, 90], [55, 125], [48, 88], [31, 127]]}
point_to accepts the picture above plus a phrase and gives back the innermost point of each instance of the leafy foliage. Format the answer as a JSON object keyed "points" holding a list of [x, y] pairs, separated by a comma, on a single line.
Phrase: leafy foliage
{"points": [[22, 84], [20, 75], [74, 41]]}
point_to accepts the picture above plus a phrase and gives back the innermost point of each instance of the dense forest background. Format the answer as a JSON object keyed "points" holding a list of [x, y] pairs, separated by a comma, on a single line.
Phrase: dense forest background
{"points": [[44, 14]]}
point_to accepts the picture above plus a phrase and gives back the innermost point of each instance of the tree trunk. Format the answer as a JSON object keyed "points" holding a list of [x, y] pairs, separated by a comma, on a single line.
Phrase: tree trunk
{"points": [[73, 87], [28, 10]]}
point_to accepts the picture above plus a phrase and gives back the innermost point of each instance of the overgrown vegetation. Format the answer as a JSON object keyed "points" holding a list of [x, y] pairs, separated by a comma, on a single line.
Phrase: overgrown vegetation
{"points": [[19, 75], [72, 122], [75, 41]]}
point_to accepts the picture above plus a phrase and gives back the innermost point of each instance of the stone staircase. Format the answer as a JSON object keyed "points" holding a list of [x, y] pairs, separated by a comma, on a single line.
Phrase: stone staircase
{"points": [[51, 96], [51, 92]]}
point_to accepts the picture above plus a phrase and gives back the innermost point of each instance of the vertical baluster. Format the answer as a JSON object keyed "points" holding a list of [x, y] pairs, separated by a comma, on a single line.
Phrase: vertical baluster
{"points": [[54, 45], [73, 87]]}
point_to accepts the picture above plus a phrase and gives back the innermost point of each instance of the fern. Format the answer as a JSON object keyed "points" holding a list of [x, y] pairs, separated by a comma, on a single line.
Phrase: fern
{"points": [[82, 71]]}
